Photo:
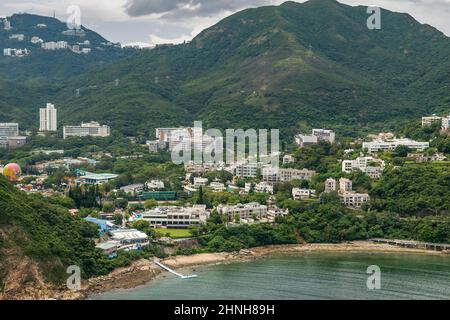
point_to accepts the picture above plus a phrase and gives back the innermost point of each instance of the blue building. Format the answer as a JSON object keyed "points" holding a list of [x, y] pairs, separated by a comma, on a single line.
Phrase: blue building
{"points": [[104, 225]]}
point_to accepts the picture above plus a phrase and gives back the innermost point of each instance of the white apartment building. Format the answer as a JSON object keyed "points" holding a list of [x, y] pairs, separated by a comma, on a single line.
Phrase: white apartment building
{"points": [[275, 175], [187, 138], [176, 217], [363, 164], [374, 172], [18, 37], [345, 185], [427, 121], [52, 45], [348, 197], [172, 137], [9, 130], [200, 182], [133, 189], [217, 186], [302, 194], [7, 25], [264, 187], [305, 140], [48, 118], [330, 185], [317, 135], [246, 170], [93, 129], [353, 199], [153, 146], [9, 52], [446, 123], [245, 211], [288, 159], [391, 145], [324, 135], [9, 136], [155, 185]]}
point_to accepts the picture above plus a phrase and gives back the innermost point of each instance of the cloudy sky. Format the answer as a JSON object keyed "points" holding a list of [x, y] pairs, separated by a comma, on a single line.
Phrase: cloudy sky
{"points": [[173, 21]]}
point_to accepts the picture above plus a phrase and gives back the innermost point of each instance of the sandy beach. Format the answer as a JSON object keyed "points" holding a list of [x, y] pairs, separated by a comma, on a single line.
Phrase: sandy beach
{"points": [[143, 271]]}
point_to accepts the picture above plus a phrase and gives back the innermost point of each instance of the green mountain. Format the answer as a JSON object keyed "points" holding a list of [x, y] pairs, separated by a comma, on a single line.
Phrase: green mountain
{"points": [[292, 67], [39, 239], [44, 65]]}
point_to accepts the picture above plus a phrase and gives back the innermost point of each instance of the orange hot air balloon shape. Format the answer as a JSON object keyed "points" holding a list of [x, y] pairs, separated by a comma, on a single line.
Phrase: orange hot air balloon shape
{"points": [[12, 172]]}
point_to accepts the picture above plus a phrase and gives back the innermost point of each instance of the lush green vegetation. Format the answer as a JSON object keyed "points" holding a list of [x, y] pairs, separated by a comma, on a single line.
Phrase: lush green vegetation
{"points": [[413, 190], [44, 231], [322, 223]]}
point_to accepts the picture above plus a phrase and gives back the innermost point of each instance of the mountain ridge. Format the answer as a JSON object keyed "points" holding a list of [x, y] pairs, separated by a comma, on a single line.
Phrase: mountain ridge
{"points": [[291, 66]]}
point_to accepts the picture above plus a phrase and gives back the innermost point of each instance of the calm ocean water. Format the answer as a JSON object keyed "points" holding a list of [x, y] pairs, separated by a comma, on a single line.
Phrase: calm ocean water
{"points": [[304, 276]]}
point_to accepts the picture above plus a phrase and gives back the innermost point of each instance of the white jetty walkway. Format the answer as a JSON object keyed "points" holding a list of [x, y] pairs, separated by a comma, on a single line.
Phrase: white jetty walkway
{"points": [[172, 271]]}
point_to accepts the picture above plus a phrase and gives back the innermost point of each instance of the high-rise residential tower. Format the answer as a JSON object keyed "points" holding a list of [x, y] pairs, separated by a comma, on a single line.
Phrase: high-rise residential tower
{"points": [[48, 118]]}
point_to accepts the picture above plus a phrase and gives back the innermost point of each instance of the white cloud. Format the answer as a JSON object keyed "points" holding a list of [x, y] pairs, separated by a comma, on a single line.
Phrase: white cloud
{"points": [[175, 21]]}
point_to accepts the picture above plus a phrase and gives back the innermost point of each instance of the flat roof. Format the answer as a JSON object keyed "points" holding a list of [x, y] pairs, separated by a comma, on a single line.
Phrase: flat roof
{"points": [[100, 176]]}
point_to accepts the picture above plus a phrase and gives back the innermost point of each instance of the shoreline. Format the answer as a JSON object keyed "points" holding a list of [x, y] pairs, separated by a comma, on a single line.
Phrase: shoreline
{"points": [[144, 271]]}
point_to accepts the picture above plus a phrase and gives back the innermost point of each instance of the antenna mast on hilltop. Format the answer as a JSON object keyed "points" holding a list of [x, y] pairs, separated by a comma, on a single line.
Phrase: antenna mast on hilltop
{"points": [[54, 14]]}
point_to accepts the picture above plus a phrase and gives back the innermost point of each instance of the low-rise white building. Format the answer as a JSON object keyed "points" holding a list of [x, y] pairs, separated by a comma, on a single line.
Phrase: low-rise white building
{"points": [[275, 175], [52, 45], [174, 217], [96, 178], [9, 52], [130, 239], [153, 146], [93, 129], [446, 123], [353, 199], [303, 194], [247, 170], [7, 25], [200, 182], [317, 135], [324, 135], [288, 159], [155, 185], [330, 185], [303, 140], [217, 186], [364, 164], [244, 211], [133, 189], [264, 187], [429, 120], [345, 185], [18, 37], [391, 145]]}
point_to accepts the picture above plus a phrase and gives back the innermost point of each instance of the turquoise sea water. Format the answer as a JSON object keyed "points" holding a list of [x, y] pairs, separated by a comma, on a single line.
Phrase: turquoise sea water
{"points": [[304, 276]]}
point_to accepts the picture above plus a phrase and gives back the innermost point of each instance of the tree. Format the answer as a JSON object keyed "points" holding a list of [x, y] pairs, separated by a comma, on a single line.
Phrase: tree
{"points": [[108, 207], [401, 151], [121, 203], [118, 219], [150, 204], [201, 196]]}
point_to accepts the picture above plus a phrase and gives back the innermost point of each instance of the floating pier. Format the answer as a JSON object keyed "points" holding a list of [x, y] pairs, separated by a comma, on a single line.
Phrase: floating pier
{"points": [[172, 271], [415, 244]]}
